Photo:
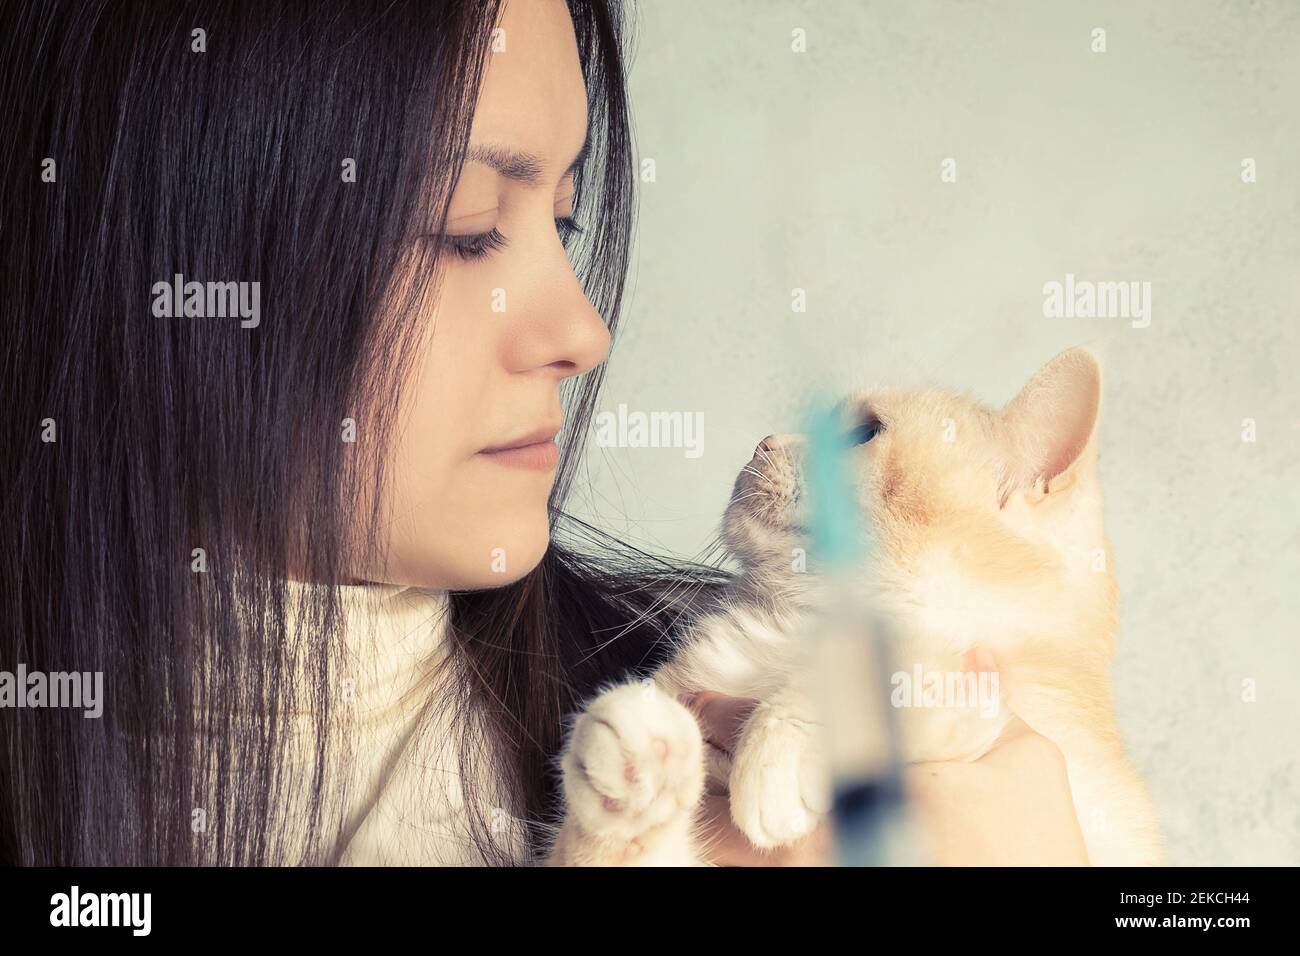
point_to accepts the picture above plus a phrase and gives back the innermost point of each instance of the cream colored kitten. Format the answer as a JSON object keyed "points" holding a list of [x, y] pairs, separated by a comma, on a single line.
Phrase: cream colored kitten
{"points": [[989, 535]]}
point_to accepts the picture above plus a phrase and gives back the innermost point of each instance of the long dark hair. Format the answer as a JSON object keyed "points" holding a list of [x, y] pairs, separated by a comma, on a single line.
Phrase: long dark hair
{"points": [[140, 450]]}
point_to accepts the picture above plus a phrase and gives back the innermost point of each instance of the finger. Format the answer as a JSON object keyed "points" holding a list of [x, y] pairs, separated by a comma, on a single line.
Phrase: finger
{"points": [[721, 718], [980, 660]]}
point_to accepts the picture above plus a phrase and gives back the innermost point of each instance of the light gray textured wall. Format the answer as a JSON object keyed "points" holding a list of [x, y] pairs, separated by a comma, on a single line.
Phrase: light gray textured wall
{"points": [[821, 170]]}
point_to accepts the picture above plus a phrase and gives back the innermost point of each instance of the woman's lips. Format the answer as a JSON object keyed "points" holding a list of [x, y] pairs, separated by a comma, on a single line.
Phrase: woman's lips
{"points": [[537, 456]]}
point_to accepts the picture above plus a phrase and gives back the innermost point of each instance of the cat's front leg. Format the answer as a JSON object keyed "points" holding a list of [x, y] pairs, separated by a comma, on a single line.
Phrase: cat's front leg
{"points": [[780, 783], [633, 777]]}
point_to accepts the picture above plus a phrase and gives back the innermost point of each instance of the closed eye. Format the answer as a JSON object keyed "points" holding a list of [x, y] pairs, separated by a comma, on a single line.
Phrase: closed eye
{"points": [[567, 227], [471, 248], [480, 246]]}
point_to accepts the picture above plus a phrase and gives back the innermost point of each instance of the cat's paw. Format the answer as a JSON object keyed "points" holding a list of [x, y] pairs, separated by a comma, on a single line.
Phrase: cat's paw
{"points": [[780, 785], [634, 766]]}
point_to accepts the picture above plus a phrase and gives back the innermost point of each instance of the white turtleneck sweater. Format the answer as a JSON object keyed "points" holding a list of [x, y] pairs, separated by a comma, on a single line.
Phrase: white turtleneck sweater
{"points": [[397, 797]]}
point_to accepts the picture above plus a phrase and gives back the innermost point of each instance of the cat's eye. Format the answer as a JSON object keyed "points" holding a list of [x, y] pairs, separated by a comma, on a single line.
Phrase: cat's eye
{"points": [[864, 431]]}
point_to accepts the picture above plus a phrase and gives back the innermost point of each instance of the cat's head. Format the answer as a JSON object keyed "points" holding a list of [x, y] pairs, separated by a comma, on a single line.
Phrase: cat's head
{"points": [[987, 523]]}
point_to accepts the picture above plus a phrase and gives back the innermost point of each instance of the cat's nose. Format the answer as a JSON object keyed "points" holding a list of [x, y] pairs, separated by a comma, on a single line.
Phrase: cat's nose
{"points": [[772, 443]]}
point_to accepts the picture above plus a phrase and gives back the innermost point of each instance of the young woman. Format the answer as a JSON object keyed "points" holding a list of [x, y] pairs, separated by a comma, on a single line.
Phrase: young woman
{"points": [[306, 305]]}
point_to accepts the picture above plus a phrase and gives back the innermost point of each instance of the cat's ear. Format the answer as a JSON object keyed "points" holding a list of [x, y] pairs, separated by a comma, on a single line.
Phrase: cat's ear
{"points": [[1050, 428]]}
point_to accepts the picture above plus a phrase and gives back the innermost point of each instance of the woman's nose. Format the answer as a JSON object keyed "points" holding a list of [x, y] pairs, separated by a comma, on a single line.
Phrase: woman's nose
{"points": [[589, 338], [565, 333]]}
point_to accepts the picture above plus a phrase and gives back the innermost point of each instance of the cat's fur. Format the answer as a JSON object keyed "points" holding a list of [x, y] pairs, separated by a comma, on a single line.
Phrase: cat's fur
{"points": [[989, 536]]}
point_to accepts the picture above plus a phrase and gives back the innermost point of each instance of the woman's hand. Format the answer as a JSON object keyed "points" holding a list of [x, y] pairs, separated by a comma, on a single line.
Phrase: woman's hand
{"points": [[1012, 807]]}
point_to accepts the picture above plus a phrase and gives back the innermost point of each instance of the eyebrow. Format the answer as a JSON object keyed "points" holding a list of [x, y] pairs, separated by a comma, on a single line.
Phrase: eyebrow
{"points": [[522, 167]]}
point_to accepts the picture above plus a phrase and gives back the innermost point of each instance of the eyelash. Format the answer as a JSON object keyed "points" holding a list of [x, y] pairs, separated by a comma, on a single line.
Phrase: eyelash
{"points": [[473, 248]]}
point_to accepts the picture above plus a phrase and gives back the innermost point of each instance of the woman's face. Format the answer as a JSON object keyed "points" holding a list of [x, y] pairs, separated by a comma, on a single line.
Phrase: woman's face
{"points": [[473, 460]]}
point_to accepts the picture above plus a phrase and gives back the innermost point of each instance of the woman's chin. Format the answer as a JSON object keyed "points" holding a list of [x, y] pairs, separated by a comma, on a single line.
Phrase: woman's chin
{"points": [[506, 548]]}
